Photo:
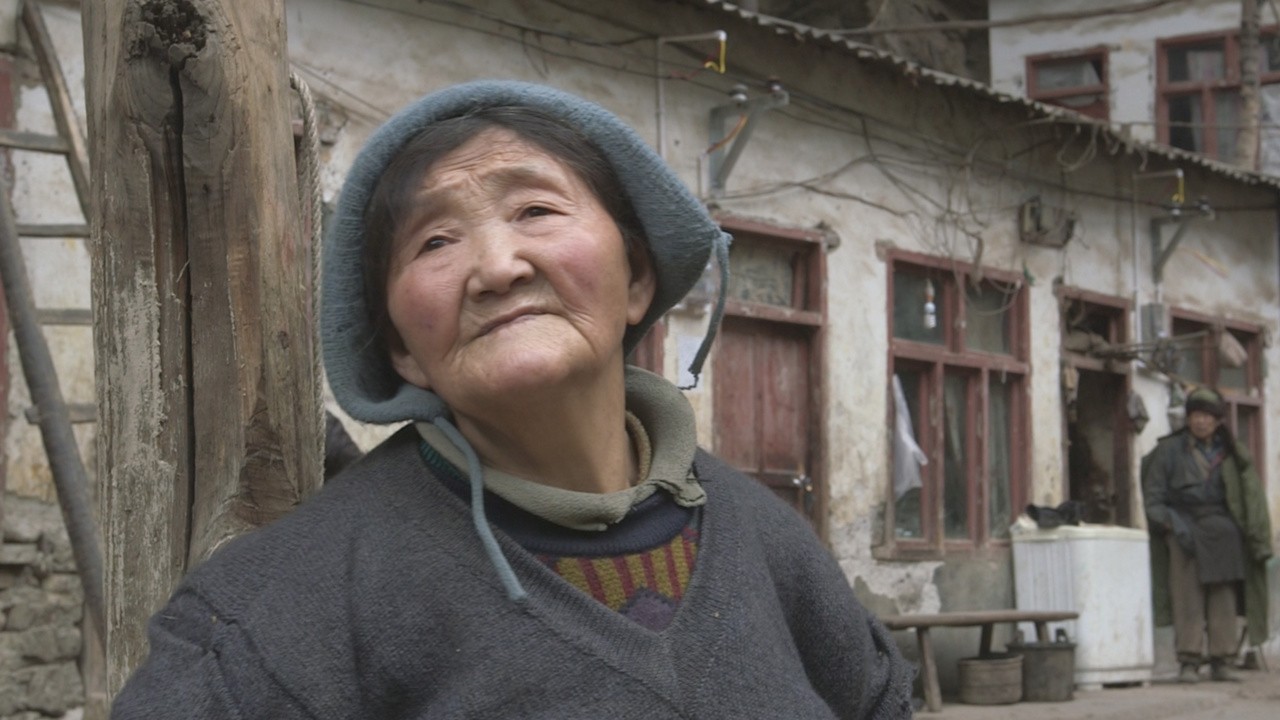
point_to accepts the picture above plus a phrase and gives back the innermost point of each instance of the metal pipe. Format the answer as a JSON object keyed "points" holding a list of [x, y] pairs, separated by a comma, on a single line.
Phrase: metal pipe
{"points": [[69, 477], [1179, 197], [717, 35]]}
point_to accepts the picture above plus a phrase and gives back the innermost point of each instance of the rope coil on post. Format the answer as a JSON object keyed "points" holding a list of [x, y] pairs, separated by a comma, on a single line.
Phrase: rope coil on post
{"points": [[311, 201]]}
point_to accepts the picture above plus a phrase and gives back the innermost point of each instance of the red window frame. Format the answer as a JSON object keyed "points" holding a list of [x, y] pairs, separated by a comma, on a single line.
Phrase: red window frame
{"points": [[933, 362], [1248, 400], [1204, 90], [1101, 108]]}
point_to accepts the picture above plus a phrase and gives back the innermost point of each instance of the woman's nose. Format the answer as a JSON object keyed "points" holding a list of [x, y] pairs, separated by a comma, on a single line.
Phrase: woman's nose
{"points": [[499, 262]]}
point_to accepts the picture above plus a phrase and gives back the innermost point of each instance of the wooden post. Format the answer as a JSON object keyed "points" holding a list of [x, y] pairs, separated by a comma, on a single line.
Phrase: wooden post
{"points": [[209, 408], [1247, 140]]}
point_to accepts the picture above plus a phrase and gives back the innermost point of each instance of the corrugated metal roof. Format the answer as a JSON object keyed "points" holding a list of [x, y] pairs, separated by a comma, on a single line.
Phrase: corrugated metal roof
{"points": [[807, 34]]}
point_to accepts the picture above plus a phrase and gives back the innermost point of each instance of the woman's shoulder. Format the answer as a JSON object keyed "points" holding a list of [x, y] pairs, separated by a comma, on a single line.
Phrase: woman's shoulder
{"points": [[363, 508], [753, 503]]}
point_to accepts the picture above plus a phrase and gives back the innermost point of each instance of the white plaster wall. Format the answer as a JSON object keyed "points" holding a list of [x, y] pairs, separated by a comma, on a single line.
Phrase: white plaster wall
{"points": [[58, 269], [1129, 38], [408, 49], [1100, 259], [372, 61]]}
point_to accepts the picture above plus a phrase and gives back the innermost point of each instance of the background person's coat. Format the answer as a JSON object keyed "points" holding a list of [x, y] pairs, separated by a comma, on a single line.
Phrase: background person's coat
{"points": [[1248, 506]]}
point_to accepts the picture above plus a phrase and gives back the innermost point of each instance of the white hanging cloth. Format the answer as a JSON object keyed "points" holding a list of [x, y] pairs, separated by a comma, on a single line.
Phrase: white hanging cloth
{"points": [[907, 455]]}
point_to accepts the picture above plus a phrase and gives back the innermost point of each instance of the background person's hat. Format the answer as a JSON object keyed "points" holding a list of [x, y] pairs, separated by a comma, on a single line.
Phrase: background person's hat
{"points": [[1206, 400]]}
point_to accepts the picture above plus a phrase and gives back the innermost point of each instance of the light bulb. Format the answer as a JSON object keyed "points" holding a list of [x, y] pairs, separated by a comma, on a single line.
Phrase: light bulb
{"points": [[930, 310]]}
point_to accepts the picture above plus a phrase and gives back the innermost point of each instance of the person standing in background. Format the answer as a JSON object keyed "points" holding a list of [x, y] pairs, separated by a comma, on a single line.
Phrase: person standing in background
{"points": [[1210, 538]]}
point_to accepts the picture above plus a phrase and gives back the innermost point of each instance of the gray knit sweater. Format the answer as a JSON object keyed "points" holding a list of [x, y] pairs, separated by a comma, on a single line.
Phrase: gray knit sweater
{"points": [[374, 600]]}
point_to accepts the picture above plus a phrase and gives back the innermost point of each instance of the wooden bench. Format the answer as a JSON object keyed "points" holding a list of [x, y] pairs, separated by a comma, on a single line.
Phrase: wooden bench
{"points": [[986, 619]]}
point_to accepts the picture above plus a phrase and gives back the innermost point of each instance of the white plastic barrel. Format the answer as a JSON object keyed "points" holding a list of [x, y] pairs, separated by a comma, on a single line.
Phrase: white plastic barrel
{"points": [[1102, 572]]}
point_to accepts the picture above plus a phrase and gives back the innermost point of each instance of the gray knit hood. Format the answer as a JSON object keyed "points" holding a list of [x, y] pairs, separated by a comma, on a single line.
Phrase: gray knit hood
{"points": [[680, 234], [681, 237]]}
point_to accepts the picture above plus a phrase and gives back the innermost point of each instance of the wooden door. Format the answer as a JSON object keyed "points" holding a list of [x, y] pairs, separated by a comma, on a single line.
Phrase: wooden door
{"points": [[763, 407]]}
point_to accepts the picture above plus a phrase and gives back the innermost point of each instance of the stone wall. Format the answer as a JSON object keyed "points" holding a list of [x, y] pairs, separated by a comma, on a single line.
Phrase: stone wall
{"points": [[41, 605]]}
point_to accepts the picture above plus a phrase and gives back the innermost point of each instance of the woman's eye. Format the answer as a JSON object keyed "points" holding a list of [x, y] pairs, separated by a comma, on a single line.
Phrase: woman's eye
{"points": [[435, 243], [536, 211]]}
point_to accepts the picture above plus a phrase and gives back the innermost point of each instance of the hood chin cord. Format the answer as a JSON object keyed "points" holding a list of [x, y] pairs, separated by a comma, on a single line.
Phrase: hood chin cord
{"points": [[476, 478]]}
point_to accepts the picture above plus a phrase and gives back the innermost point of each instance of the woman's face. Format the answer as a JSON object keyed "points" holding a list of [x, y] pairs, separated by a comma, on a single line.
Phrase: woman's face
{"points": [[508, 275]]}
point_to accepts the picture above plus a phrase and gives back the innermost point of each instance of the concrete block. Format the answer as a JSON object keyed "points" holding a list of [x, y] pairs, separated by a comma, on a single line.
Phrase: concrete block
{"points": [[15, 554], [9, 577], [10, 691], [20, 617], [52, 689], [29, 607], [10, 657], [56, 550], [66, 584], [49, 644], [26, 519]]}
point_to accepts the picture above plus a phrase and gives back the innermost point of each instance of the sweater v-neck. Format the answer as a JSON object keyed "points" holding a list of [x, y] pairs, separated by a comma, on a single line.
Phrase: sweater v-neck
{"points": [[678, 656]]}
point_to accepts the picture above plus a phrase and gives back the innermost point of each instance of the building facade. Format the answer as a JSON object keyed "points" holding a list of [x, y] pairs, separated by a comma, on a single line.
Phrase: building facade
{"points": [[915, 255]]}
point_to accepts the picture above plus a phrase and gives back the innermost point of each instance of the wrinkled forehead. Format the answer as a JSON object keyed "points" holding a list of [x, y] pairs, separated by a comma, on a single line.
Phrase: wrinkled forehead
{"points": [[496, 159]]}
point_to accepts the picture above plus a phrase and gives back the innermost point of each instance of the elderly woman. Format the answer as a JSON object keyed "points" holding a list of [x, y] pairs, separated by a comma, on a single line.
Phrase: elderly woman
{"points": [[544, 540]]}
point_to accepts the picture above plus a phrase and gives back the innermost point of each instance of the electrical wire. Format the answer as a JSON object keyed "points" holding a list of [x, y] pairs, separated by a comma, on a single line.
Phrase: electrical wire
{"points": [[831, 112]]}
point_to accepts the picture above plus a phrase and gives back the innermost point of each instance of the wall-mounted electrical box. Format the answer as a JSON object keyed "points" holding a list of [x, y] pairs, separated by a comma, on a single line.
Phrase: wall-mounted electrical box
{"points": [[1154, 322]]}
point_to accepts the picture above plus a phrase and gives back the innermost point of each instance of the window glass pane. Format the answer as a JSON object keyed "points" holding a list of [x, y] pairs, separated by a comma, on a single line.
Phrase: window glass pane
{"points": [[1197, 63], [1186, 123], [1269, 52], [1226, 109], [998, 475], [1062, 75], [915, 315], [987, 312], [762, 272], [1248, 430], [1076, 102], [1088, 324], [955, 494], [1191, 339], [1269, 145], [907, 523], [1230, 376]]}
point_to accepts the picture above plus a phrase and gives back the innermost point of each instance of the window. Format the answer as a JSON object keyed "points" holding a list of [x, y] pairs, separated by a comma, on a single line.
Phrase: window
{"points": [[1199, 91], [1095, 391], [1227, 357], [958, 354], [1072, 80]]}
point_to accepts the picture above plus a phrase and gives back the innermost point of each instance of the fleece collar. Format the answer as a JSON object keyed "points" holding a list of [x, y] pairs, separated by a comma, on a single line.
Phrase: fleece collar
{"points": [[666, 427]]}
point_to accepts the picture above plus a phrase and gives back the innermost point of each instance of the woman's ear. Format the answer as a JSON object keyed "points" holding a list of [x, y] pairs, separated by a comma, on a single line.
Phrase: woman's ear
{"points": [[643, 287]]}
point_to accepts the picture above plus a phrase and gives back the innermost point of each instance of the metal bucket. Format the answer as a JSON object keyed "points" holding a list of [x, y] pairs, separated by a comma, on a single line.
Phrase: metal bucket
{"points": [[992, 680], [1048, 670]]}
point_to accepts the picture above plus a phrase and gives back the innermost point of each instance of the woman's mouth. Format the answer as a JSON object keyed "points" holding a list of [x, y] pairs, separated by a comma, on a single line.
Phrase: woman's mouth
{"points": [[507, 319]]}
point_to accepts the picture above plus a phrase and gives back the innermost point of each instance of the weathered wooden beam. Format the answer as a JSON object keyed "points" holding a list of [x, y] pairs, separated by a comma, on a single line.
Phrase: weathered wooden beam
{"points": [[79, 413], [210, 417], [64, 316], [19, 140], [45, 230]]}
